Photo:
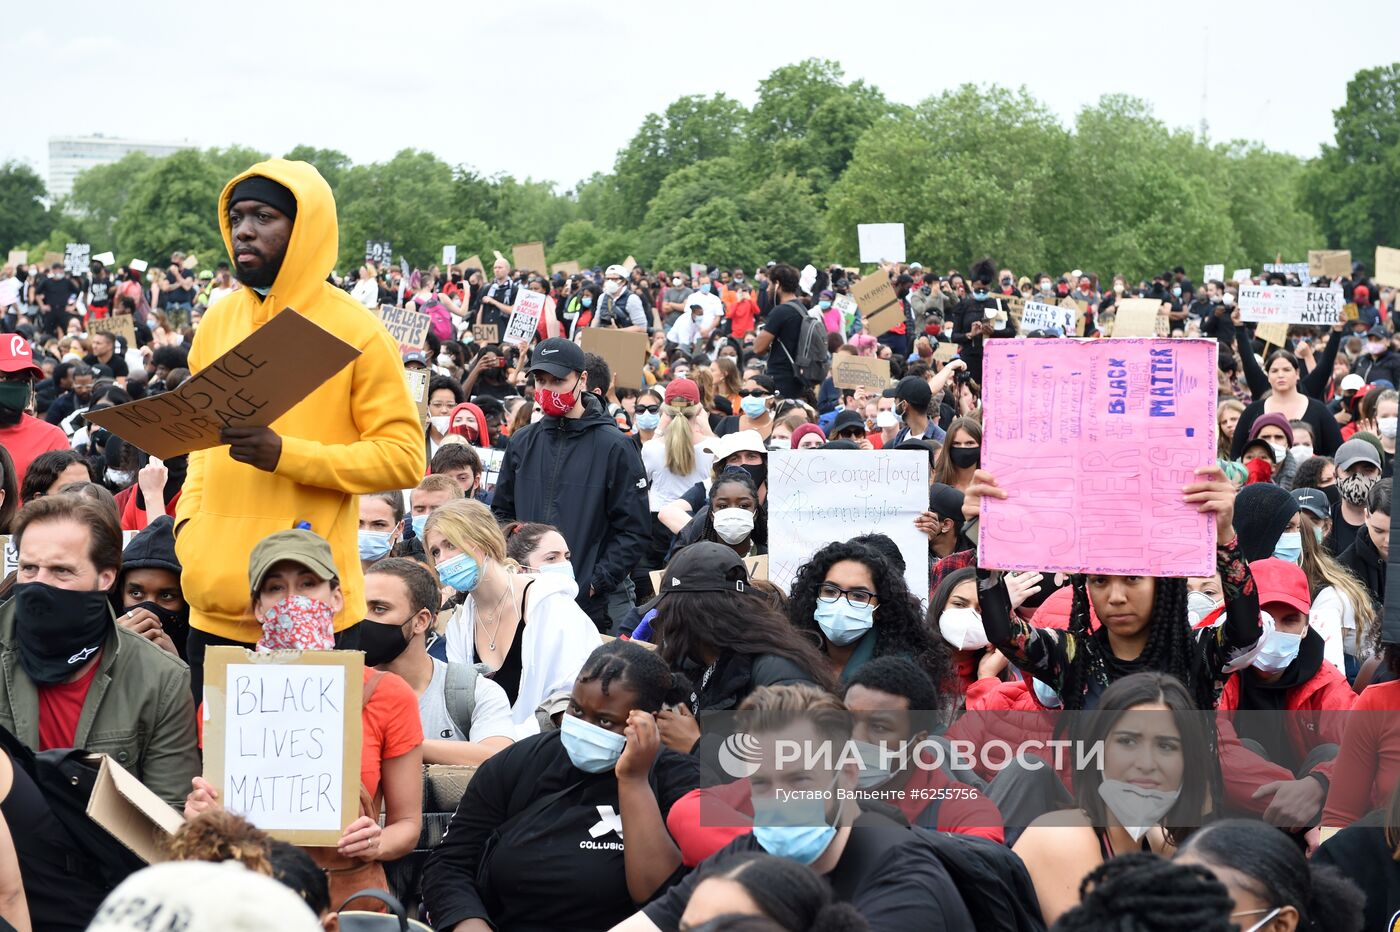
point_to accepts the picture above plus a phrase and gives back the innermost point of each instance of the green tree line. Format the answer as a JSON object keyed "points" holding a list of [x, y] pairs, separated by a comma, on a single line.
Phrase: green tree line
{"points": [[973, 171]]}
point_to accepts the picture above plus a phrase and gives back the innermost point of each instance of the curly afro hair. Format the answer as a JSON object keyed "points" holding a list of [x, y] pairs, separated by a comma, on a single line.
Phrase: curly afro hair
{"points": [[984, 270]]}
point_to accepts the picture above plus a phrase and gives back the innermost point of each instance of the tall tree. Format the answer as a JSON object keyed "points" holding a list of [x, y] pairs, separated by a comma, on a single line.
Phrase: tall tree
{"points": [[331, 163], [101, 193], [23, 217], [406, 200], [174, 206]]}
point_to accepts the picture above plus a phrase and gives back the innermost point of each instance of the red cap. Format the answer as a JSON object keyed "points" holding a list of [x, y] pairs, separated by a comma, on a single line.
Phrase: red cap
{"points": [[16, 356], [1361, 293], [1281, 581], [683, 390]]}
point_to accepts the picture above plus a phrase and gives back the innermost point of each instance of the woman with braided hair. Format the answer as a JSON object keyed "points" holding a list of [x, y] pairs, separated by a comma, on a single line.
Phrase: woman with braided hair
{"points": [[1147, 893], [1143, 620]]}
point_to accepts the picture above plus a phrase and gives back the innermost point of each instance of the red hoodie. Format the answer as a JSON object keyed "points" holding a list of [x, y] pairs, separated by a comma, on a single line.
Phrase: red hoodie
{"points": [[474, 437]]}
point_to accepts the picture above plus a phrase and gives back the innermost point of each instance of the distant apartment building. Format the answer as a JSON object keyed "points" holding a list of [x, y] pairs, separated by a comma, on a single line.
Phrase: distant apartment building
{"points": [[70, 155]]}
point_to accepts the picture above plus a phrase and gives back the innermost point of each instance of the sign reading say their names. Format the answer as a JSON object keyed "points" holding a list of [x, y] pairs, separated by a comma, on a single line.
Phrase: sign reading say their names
{"points": [[849, 371], [1319, 307], [525, 318], [879, 306], [119, 325], [282, 739], [251, 385], [818, 496], [408, 328], [1093, 441]]}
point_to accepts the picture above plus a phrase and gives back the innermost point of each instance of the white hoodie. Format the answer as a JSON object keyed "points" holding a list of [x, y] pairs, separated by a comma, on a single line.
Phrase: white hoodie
{"points": [[558, 639]]}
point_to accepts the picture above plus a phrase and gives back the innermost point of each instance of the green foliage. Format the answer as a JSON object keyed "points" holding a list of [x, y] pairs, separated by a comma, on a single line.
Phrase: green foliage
{"points": [[331, 163], [101, 194], [401, 200], [23, 216], [172, 208]]}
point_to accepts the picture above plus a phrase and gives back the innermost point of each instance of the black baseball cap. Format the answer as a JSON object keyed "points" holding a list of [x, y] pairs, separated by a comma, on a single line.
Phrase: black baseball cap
{"points": [[946, 502], [1310, 500], [559, 357], [915, 391], [704, 567], [845, 420]]}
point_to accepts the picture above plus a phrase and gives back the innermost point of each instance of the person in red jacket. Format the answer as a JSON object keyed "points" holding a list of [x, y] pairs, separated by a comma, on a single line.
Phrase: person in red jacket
{"points": [[23, 437], [1290, 702]]}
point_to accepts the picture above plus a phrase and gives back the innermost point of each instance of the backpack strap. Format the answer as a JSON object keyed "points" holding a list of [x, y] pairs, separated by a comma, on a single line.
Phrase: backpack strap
{"points": [[460, 695]]}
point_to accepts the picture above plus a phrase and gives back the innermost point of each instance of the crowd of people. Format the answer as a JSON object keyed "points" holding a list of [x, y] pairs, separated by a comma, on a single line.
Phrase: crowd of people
{"points": [[491, 550]]}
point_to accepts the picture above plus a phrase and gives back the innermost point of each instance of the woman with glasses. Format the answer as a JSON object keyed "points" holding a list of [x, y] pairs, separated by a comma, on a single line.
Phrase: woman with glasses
{"points": [[444, 394], [859, 608], [646, 415], [756, 403]]}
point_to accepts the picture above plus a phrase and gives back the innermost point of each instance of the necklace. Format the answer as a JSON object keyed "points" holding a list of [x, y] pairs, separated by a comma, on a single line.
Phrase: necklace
{"points": [[510, 590]]}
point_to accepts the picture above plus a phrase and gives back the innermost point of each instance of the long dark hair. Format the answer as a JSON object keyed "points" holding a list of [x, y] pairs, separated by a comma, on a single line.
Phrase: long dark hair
{"points": [[899, 620], [1170, 648], [943, 469], [691, 625], [735, 475], [788, 893], [1200, 781]]}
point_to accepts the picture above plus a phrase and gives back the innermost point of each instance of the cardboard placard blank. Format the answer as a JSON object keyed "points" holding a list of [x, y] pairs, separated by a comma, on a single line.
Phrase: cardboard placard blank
{"points": [[567, 268], [860, 372], [530, 256], [880, 308], [252, 730], [486, 333], [624, 351], [1137, 317], [1387, 266], [251, 385], [51, 257], [1242, 276], [629, 264], [18, 257], [471, 262], [133, 815], [944, 351], [1273, 334], [1329, 263], [408, 328], [417, 382], [119, 324]]}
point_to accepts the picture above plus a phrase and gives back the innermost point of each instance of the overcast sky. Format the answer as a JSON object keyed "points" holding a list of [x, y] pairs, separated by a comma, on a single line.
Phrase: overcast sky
{"points": [[551, 89]]}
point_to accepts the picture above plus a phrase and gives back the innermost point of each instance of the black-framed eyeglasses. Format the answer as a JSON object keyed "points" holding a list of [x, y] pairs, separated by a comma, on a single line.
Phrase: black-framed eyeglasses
{"points": [[857, 598], [754, 393], [649, 409], [854, 433]]}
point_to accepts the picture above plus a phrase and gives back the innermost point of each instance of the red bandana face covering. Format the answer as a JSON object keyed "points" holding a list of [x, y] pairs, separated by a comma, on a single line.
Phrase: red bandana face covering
{"points": [[557, 404], [298, 623]]}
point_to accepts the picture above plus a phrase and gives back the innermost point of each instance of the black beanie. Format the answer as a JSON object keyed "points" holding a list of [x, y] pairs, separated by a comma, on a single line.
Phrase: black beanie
{"points": [[271, 193], [1262, 511]]}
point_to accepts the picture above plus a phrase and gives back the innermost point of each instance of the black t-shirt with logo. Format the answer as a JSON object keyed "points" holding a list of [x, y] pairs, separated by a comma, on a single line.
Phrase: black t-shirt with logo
{"points": [[1360, 852], [99, 292], [536, 843]]}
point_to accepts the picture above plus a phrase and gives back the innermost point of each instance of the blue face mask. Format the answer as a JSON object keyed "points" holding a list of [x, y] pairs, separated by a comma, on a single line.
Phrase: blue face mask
{"points": [[705, 288], [753, 407], [794, 829], [586, 302], [563, 569], [648, 420], [1289, 547], [419, 522], [1176, 292], [1046, 694], [842, 622], [824, 304], [373, 544], [590, 748], [459, 572], [980, 295]]}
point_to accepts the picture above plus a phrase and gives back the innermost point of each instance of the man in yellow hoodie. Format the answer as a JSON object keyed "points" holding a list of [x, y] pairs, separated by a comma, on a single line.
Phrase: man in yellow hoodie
{"points": [[357, 433]]}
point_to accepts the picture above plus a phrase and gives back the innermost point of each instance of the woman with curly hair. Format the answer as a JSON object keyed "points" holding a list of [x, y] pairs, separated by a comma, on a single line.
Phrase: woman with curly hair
{"points": [[860, 608]]}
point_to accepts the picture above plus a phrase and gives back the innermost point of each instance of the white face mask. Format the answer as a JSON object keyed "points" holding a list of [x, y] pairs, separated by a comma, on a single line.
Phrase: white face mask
{"points": [[563, 568], [1387, 426], [439, 422], [1227, 299], [1136, 808], [1279, 450], [962, 628], [1279, 651], [1198, 606], [444, 360], [886, 419], [1375, 347], [1302, 452], [733, 524], [611, 287]]}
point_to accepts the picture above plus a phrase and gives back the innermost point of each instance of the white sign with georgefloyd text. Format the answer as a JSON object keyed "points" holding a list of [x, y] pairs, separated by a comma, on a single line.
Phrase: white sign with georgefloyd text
{"points": [[816, 497]]}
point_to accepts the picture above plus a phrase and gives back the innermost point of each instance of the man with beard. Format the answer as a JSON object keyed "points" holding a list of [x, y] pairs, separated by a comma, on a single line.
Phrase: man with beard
{"points": [[23, 437], [77, 397], [356, 433]]}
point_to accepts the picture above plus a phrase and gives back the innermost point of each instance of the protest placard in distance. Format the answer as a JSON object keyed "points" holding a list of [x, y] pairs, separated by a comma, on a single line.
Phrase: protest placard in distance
{"points": [[697, 269], [524, 318], [1315, 307], [1272, 334], [1036, 315], [629, 264], [530, 256], [565, 268], [449, 255], [880, 308], [1015, 306], [251, 385], [17, 258], [282, 738], [120, 325], [1299, 269], [1388, 266], [417, 382], [944, 351], [1093, 441], [1242, 276], [1213, 273], [1329, 263], [624, 351], [76, 258], [881, 242], [106, 258], [379, 251], [818, 496], [52, 257], [849, 371], [1137, 317], [486, 333], [409, 328], [472, 262]]}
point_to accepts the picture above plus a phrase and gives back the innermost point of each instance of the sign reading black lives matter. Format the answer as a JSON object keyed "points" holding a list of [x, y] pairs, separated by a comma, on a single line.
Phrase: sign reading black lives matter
{"points": [[1320, 307]]}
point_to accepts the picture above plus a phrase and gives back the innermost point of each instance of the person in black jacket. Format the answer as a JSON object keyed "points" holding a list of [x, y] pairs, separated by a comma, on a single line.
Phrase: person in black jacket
{"points": [[575, 470], [971, 324], [1314, 384], [537, 841], [1379, 362], [1366, 557]]}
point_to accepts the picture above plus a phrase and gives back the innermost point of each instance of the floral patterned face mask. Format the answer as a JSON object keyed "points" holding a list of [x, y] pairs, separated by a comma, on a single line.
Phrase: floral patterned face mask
{"points": [[298, 623]]}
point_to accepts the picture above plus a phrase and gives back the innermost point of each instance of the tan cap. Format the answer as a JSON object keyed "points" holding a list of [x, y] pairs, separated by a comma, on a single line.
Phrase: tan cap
{"points": [[299, 546]]}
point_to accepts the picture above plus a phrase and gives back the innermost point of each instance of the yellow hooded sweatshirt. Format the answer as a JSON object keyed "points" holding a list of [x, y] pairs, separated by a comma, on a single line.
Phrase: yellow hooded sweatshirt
{"points": [[355, 434]]}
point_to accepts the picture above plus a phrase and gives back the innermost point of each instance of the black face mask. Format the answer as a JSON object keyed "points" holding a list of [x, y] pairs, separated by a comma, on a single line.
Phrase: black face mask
{"points": [[176, 624], [757, 472], [381, 643], [965, 457], [1334, 494], [58, 630]]}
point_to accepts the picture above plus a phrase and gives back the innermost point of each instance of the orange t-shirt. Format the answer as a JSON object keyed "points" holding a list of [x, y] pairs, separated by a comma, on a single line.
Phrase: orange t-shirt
{"points": [[391, 726]]}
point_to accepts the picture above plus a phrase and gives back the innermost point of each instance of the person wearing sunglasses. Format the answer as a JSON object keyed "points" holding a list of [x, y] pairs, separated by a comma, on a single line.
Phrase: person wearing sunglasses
{"points": [[849, 425], [646, 417], [756, 401]]}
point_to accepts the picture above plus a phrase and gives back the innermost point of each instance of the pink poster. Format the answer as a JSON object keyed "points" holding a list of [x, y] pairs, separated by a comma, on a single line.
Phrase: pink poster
{"points": [[1093, 441]]}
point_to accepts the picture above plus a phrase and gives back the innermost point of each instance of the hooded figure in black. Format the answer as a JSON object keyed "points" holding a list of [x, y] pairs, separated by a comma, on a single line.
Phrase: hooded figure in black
{"points": [[971, 322], [148, 598]]}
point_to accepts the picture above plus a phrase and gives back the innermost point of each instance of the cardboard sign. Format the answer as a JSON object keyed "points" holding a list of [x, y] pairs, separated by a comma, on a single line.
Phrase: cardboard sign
{"points": [[1039, 316], [1213, 273], [408, 328], [497, 254], [133, 815], [860, 372], [757, 567], [1093, 442], [486, 333], [881, 242], [524, 319], [251, 385], [1299, 269], [848, 308], [380, 252], [190, 263], [18, 257], [472, 262], [77, 258], [879, 306], [1137, 317], [944, 352], [530, 256], [1388, 267], [697, 269], [417, 382], [1243, 276], [51, 257], [1273, 334], [1315, 307], [1350, 312], [817, 496], [491, 460], [1329, 263], [282, 738], [120, 325], [625, 352], [449, 255], [1015, 308], [567, 268], [629, 264]]}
